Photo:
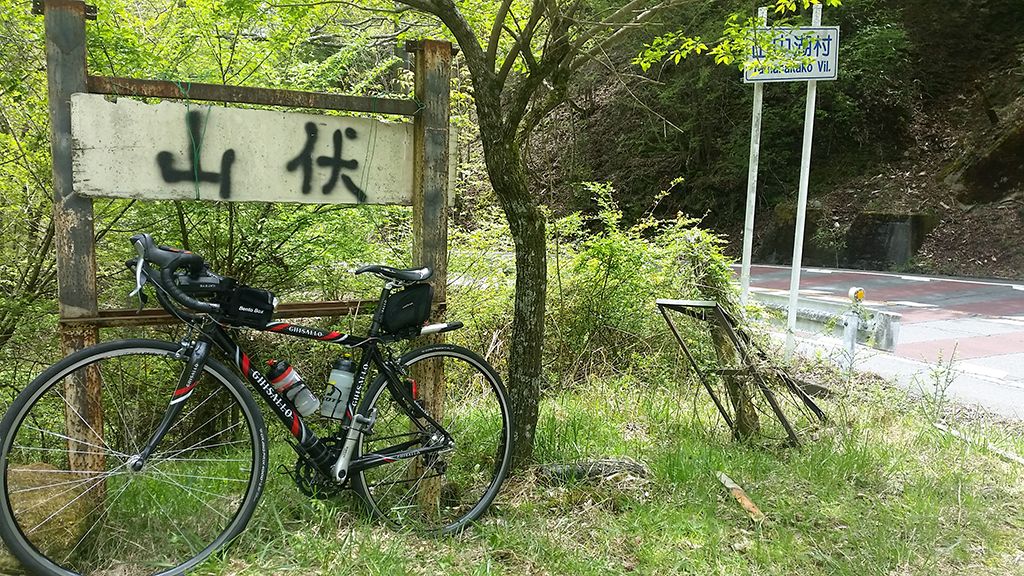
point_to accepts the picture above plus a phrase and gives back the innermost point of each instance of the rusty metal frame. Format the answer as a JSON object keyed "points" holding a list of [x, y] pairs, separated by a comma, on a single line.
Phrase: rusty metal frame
{"points": [[711, 312], [695, 309], [249, 95]]}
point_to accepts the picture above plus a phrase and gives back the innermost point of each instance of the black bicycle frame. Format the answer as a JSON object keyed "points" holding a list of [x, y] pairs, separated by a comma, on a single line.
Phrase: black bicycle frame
{"points": [[306, 442]]}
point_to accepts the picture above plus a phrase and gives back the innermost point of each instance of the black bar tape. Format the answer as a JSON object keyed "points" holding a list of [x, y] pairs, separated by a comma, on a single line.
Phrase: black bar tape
{"points": [[167, 280]]}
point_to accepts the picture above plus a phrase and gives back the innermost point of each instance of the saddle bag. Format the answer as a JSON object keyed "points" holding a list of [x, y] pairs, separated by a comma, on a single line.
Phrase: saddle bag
{"points": [[407, 310]]}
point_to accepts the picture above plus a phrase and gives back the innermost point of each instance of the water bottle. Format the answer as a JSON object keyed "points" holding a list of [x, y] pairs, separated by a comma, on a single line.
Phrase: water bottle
{"points": [[288, 382], [336, 399]]}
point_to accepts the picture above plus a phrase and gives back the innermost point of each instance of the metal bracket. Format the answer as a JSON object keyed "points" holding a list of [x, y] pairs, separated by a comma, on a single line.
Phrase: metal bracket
{"points": [[39, 8], [750, 357]]}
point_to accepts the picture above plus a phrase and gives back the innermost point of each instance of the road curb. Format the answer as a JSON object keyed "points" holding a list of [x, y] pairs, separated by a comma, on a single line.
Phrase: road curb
{"points": [[880, 331]]}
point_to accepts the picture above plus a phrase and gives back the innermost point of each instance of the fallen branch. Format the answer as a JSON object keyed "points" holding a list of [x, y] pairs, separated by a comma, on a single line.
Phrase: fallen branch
{"points": [[592, 470], [737, 492], [1008, 456]]}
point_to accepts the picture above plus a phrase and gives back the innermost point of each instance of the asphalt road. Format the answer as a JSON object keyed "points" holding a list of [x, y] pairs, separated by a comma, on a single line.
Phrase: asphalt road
{"points": [[975, 326]]}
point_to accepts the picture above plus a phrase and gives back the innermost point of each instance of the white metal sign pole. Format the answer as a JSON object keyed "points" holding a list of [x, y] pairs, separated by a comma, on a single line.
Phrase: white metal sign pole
{"points": [[801, 203], [755, 155]]}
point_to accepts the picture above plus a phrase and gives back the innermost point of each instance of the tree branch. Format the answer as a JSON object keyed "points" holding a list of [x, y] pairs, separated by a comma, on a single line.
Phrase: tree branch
{"points": [[452, 18], [618, 35], [539, 111], [523, 41], [499, 22], [341, 2]]}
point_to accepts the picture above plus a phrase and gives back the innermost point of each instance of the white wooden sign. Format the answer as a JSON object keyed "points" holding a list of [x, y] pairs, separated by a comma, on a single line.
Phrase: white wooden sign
{"points": [[129, 149]]}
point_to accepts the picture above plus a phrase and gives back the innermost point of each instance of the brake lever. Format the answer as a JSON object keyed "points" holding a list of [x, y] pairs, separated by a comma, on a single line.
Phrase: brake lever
{"points": [[140, 281]]}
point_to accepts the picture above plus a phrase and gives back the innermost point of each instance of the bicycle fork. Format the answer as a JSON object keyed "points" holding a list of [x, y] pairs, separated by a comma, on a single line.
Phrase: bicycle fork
{"points": [[187, 382]]}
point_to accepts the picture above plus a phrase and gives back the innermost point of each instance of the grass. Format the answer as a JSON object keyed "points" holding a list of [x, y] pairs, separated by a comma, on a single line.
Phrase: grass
{"points": [[877, 490]]}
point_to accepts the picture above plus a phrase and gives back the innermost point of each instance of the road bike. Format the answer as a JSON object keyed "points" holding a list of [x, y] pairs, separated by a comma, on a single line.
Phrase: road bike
{"points": [[147, 456]]}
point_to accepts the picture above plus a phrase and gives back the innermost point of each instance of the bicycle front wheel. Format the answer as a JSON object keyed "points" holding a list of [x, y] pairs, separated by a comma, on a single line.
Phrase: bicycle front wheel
{"points": [[440, 491], [73, 501]]}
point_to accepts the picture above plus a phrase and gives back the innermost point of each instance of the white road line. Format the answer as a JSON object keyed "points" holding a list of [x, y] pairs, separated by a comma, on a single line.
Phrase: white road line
{"points": [[910, 304], [1007, 283], [982, 371]]}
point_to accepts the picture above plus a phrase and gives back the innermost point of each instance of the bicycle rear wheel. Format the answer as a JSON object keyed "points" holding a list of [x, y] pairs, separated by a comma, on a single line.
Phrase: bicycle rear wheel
{"points": [[445, 490], [72, 503]]}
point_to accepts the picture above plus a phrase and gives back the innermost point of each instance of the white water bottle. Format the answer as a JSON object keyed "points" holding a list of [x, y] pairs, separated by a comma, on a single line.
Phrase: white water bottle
{"points": [[339, 389]]}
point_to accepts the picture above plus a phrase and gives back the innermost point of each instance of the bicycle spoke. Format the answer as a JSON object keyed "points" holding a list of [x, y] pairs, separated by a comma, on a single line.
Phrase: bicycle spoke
{"points": [[95, 434], [189, 492], [92, 476], [200, 426], [199, 446], [64, 507], [58, 450], [441, 490], [63, 437], [198, 477], [97, 522], [118, 403], [187, 500], [177, 528]]}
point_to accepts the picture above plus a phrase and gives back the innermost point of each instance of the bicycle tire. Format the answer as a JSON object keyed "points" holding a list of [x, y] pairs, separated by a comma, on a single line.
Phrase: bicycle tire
{"points": [[475, 413], [193, 495]]}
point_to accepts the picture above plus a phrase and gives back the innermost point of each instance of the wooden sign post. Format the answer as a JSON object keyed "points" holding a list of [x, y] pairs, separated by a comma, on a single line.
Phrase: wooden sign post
{"points": [[189, 151], [429, 227], [73, 227]]}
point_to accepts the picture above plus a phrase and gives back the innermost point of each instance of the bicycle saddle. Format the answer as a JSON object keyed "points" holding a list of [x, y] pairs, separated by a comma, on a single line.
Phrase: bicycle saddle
{"points": [[404, 275]]}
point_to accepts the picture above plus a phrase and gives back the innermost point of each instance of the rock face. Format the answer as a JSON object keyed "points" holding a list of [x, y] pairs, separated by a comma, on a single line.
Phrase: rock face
{"points": [[996, 172]]}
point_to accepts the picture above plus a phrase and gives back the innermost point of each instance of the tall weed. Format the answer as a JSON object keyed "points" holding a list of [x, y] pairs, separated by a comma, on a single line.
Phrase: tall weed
{"points": [[605, 279]]}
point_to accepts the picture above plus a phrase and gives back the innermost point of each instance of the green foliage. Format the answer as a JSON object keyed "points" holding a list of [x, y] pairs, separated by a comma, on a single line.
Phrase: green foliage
{"points": [[739, 36], [27, 283], [692, 118], [606, 279], [481, 287], [877, 92]]}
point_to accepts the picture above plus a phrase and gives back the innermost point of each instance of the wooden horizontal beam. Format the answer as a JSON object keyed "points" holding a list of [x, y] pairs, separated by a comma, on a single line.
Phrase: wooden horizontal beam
{"points": [[158, 316], [249, 95]]}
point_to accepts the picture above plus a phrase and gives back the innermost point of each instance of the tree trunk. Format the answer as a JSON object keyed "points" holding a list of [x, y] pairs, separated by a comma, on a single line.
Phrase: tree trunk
{"points": [[526, 224], [524, 363], [745, 421]]}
